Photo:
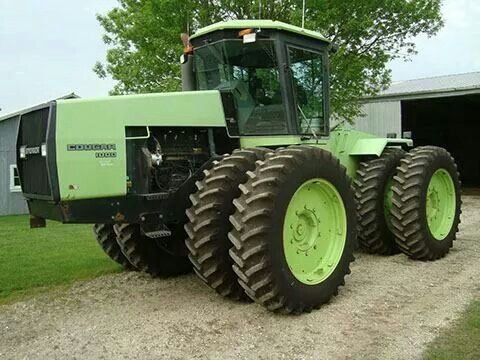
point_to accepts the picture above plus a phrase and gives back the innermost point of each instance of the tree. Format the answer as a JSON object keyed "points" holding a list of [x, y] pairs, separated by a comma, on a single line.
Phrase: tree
{"points": [[143, 36]]}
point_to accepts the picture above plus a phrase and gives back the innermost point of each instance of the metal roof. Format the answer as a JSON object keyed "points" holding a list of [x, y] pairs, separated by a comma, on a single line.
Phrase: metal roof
{"points": [[31, 108], [258, 24], [433, 87]]}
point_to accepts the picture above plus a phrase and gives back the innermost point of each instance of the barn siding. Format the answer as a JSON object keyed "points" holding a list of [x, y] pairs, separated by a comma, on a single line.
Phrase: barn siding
{"points": [[11, 203]]}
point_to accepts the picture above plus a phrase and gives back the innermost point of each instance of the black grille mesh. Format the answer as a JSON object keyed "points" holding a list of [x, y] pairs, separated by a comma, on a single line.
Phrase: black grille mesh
{"points": [[33, 169]]}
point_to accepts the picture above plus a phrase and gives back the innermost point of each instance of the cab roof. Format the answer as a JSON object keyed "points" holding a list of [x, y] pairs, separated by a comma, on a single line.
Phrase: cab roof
{"points": [[258, 24]]}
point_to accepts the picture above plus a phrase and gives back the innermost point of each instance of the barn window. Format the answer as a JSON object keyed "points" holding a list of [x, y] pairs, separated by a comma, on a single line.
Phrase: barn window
{"points": [[14, 179]]}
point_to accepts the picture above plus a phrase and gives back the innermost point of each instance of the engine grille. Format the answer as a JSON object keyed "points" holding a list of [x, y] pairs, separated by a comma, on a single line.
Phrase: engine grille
{"points": [[33, 169]]}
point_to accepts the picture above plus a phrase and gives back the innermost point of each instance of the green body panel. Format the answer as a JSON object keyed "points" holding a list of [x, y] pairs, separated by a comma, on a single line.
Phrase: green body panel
{"points": [[259, 141], [314, 231], [103, 121], [349, 146], [258, 24], [370, 146]]}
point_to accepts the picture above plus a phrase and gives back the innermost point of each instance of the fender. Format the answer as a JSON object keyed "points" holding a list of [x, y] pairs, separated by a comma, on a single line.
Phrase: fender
{"points": [[376, 146], [350, 146]]}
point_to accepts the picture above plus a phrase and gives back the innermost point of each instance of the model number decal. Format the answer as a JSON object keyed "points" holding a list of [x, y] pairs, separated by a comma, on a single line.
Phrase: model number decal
{"points": [[103, 155], [102, 151], [32, 150], [91, 147]]}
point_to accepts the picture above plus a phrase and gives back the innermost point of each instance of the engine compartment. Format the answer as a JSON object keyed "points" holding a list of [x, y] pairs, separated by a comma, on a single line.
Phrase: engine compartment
{"points": [[168, 157]]}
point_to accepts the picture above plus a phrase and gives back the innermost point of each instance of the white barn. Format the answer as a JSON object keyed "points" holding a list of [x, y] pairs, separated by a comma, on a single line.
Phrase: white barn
{"points": [[442, 111]]}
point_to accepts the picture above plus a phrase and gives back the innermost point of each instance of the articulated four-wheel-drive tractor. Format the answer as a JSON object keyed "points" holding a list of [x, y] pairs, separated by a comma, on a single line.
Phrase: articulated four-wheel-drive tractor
{"points": [[238, 176]]}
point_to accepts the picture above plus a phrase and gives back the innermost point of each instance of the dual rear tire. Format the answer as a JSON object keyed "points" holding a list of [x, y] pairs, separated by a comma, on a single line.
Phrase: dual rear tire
{"points": [[373, 193], [426, 203], [409, 202]]}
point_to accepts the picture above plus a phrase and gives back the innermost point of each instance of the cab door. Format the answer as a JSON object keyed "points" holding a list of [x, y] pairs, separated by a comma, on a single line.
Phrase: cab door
{"points": [[308, 78]]}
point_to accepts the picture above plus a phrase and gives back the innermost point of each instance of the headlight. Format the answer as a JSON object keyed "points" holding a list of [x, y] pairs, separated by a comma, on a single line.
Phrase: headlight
{"points": [[44, 150], [23, 154]]}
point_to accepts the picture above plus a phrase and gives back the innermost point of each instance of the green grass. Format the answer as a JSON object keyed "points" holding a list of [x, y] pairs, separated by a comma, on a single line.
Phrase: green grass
{"points": [[33, 261], [461, 340]]}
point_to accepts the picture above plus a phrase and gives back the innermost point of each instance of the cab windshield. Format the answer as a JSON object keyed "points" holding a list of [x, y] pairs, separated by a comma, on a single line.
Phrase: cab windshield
{"points": [[251, 72]]}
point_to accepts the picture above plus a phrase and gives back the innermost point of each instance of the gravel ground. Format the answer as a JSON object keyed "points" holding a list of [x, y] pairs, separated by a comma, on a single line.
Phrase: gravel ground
{"points": [[390, 308]]}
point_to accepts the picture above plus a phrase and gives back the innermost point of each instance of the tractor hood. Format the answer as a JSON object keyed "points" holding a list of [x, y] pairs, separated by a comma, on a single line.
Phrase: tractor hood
{"points": [[194, 108], [76, 149]]}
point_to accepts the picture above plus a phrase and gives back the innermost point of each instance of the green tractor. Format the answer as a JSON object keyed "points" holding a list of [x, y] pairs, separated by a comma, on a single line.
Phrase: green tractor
{"points": [[239, 176]]}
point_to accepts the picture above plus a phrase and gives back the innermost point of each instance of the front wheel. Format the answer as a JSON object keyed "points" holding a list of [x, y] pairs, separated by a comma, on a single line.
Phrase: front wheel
{"points": [[294, 230]]}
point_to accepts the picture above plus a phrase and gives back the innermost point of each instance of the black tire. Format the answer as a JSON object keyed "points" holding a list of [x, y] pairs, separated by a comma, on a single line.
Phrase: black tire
{"points": [[410, 186], [209, 226], [150, 255], [107, 239], [257, 235], [374, 232]]}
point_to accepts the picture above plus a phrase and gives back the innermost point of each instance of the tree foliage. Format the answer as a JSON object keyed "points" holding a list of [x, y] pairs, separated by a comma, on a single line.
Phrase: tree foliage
{"points": [[143, 36]]}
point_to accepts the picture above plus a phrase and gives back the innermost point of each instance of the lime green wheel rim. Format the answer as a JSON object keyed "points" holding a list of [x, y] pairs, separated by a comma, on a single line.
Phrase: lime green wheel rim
{"points": [[314, 231], [441, 204]]}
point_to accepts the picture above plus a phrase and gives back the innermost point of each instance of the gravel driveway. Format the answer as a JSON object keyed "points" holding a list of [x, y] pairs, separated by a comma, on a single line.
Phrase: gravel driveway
{"points": [[390, 308]]}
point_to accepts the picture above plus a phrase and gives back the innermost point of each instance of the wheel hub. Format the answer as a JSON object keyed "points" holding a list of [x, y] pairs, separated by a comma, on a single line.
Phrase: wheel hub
{"points": [[314, 231], [306, 230]]}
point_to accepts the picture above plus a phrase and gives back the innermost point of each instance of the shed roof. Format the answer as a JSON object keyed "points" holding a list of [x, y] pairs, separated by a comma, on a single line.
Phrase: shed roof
{"points": [[440, 85], [23, 111], [258, 24]]}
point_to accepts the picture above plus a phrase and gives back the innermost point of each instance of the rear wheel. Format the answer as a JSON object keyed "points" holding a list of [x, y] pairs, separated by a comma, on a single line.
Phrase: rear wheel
{"points": [[373, 192], [208, 227], [294, 230], [158, 257], [107, 239], [426, 203]]}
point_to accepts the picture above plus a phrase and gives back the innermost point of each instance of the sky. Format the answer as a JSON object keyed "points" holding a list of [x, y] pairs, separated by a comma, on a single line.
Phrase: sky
{"points": [[48, 49], [454, 50]]}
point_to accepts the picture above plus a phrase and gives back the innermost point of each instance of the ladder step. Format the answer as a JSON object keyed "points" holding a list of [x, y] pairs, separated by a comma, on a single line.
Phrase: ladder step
{"points": [[158, 234]]}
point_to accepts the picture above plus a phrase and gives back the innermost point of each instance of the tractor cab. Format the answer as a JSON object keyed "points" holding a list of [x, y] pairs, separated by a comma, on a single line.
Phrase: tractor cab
{"points": [[273, 77]]}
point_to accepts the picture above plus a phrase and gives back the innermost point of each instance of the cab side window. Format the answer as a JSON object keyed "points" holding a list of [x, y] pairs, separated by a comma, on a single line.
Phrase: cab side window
{"points": [[306, 68]]}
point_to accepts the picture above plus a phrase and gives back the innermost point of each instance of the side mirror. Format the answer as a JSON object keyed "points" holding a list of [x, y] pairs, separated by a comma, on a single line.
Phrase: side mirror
{"points": [[334, 48]]}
